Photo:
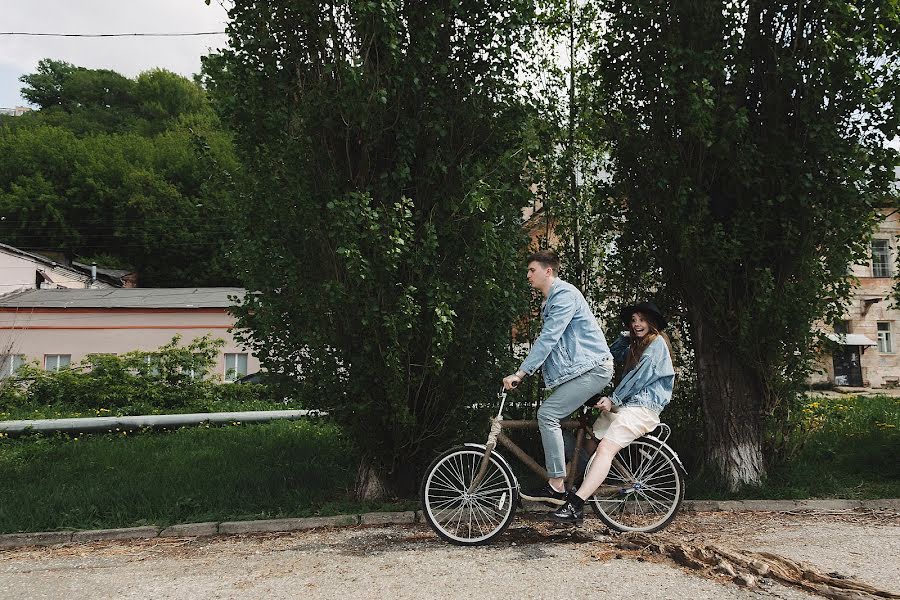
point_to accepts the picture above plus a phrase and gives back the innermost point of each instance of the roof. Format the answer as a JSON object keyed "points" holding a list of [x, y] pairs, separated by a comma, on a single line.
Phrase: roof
{"points": [[32, 256], [78, 270], [116, 274], [850, 339], [124, 298]]}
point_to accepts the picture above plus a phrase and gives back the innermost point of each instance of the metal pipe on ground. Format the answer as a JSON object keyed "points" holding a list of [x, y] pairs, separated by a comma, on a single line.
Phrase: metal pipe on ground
{"points": [[101, 424]]}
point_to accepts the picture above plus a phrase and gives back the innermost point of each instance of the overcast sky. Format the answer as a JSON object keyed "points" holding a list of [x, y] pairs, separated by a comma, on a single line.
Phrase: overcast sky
{"points": [[20, 54]]}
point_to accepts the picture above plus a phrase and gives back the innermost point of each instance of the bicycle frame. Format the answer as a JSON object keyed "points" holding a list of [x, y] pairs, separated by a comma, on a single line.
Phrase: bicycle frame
{"points": [[496, 435]]}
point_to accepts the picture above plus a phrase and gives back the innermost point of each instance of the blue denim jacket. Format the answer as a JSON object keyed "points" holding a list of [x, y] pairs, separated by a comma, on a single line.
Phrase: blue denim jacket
{"points": [[650, 382], [571, 342]]}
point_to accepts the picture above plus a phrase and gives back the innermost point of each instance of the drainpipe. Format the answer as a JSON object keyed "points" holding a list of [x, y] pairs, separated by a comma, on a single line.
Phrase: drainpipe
{"points": [[104, 424]]}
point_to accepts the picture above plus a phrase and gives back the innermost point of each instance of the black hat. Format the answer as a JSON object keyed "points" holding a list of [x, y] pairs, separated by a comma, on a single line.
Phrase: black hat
{"points": [[647, 308]]}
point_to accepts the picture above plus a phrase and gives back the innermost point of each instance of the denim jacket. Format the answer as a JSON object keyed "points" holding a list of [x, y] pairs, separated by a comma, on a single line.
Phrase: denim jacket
{"points": [[571, 342], [649, 383]]}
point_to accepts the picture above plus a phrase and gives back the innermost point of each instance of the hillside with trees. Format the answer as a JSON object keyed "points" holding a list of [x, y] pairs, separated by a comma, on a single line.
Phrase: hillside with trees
{"points": [[124, 172]]}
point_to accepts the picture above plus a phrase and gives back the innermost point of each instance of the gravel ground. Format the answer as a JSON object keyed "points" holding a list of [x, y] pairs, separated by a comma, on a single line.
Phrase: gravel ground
{"points": [[531, 560]]}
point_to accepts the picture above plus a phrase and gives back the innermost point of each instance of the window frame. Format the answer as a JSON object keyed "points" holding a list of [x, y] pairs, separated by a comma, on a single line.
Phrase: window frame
{"points": [[234, 368], [885, 337], [886, 265], [57, 368], [10, 364]]}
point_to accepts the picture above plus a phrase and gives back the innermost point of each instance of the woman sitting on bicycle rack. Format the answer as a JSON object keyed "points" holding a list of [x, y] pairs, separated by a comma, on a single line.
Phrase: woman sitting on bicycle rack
{"points": [[634, 407]]}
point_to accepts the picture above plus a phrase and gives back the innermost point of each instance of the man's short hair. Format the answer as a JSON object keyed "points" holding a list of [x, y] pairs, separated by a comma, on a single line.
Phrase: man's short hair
{"points": [[547, 258]]}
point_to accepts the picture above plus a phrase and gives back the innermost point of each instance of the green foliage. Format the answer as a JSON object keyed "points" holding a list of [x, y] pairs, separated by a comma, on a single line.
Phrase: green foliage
{"points": [[125, 168], [840, 447], [749, 147], [197, 474], [385, 147], [172, 378]]}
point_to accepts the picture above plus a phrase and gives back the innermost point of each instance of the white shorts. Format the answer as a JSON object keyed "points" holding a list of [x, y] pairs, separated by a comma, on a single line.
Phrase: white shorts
{"points": [[624, 424]]}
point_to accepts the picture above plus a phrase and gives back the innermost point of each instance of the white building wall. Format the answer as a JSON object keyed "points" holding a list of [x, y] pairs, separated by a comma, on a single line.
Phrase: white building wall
{"points": [[20, 273]]}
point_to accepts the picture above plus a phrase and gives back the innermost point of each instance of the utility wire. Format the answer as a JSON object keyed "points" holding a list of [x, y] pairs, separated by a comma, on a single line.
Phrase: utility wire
{"points": [[103, 35]]}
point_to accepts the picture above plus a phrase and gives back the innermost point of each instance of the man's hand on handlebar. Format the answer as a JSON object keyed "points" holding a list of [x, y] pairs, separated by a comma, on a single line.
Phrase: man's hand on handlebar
{"points": [[511, 381]]}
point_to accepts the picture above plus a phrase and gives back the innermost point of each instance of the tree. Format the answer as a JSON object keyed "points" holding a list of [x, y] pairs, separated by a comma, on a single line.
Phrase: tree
{"points": [[123, 171], [749, 147], [385, 154], [45, 87]]}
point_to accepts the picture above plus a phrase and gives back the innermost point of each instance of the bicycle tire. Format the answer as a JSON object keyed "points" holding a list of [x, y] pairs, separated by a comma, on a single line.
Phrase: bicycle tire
{"points": [[460, 517], [650, 500]]}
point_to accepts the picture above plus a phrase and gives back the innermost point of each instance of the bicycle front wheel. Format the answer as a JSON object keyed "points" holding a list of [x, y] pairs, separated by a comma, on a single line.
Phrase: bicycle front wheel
{"points": [[650, 488], [462, 516]]}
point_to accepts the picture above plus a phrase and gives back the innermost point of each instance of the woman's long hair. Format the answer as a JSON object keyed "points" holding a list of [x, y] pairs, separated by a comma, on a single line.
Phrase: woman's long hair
{"points": [[637, 345]]}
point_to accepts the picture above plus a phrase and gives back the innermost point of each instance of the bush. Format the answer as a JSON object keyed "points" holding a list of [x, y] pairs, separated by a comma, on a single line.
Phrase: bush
{"points": [[173, 378]]}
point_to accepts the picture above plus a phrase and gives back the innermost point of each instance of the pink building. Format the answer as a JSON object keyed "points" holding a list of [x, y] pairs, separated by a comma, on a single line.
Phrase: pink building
{"points": [[59, 327]]}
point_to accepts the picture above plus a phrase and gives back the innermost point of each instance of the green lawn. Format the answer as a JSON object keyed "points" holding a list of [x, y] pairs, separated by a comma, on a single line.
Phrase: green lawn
{"points": [[303, 468], [197, 474], [851, 449]]}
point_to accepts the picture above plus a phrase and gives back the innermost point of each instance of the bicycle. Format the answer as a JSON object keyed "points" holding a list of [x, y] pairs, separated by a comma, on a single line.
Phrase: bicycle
{"points": [[469, 493]]}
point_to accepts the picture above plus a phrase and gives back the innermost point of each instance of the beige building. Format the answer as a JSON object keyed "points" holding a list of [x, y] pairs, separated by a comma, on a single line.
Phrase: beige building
{"points": [[60, 327], [865, 343], [15, 111]]}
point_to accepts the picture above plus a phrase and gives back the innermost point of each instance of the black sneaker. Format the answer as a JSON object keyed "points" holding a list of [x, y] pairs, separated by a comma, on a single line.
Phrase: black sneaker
{"points": [[545, 494], [567, 513]]}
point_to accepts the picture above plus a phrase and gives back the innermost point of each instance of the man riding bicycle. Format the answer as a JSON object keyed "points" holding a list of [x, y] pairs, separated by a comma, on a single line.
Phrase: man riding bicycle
{"points": [[575, 360]]}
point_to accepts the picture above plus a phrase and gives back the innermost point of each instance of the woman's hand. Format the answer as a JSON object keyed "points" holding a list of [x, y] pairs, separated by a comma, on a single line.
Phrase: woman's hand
{"points": [[605, 404]]}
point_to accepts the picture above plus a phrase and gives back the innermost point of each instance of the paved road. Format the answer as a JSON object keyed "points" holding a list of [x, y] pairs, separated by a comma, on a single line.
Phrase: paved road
{"points": [[531, 560]]}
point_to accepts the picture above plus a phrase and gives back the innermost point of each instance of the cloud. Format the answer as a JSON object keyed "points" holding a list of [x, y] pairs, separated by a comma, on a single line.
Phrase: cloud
{"points": [[128, 56]]}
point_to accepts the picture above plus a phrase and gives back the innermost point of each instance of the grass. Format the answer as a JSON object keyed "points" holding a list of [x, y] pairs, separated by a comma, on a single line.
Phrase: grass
{"points": [[279, 469], [850, 449], [305, 468]]}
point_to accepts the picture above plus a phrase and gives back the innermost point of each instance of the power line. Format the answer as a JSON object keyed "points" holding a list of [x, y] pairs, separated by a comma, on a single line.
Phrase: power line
{"points": [[106, 35]]}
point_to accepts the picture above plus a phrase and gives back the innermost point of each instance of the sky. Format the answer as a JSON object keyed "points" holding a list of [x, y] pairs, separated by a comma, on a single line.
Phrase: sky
{"points": [[19, 55]]}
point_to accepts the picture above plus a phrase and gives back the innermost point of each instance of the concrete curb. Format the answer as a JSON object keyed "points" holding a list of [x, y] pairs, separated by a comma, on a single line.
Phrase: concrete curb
{"points": [[49, 538]]}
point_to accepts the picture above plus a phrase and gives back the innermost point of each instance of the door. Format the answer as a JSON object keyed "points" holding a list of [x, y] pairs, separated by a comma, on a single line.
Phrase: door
{"points": [[847, 367]]}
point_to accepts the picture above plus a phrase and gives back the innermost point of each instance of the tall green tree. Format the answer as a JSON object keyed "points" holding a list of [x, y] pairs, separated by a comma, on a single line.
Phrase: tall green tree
{"points": [[749, 147], [122, 171], [385, 150]]}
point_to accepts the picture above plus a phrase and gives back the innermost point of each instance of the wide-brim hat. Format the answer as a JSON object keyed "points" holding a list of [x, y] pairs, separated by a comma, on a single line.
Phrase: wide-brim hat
{"points": [[647, 308]]}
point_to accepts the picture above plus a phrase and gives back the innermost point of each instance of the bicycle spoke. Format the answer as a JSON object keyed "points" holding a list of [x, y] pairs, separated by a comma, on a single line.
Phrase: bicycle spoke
{"points": [[462, 515], [655, 505], [652, 487], [663, 464]]}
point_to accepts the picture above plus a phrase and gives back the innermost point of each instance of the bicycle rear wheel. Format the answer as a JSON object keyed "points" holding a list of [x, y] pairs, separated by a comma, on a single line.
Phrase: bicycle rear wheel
{"points": [[650, 488], [466, 517]]}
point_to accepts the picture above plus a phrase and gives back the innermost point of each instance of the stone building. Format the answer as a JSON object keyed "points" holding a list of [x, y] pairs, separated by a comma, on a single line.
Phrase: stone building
{"points": [[864, 353]]}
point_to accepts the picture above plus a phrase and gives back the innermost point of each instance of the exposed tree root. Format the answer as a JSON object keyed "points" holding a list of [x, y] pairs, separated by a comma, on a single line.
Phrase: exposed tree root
{"points": [[746, 568]]}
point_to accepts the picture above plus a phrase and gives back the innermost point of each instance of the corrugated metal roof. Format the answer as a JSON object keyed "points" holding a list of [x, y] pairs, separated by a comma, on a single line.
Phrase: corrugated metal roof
{"points": [[124, 298]]}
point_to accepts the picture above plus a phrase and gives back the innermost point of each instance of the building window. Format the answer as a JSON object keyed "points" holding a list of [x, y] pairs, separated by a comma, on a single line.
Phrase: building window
{"points": [[57, 362], [885, 343], [235, 366], [842, 327], [152, 362], [881, 258], [10, 363]]}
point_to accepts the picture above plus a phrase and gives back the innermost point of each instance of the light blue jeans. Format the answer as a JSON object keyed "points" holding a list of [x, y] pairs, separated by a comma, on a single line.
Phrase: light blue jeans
{"points": [[562, 403]]}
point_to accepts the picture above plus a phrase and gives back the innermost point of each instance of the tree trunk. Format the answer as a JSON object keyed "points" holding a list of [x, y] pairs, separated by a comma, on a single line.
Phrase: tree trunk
{"points": [[370, 483], [732, 408]]}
